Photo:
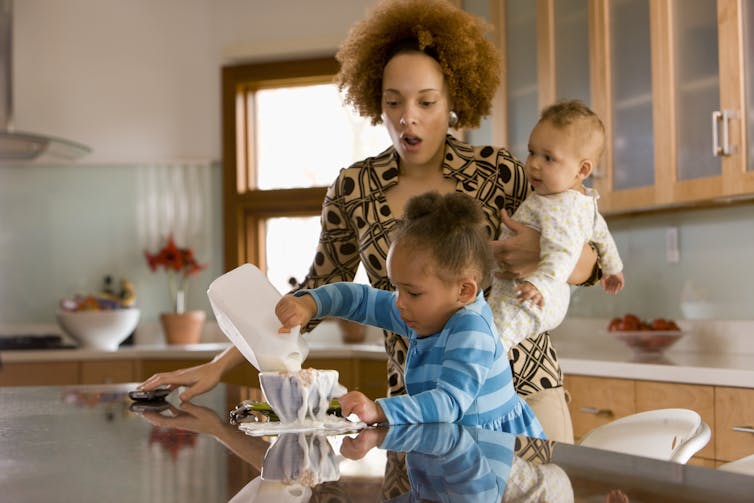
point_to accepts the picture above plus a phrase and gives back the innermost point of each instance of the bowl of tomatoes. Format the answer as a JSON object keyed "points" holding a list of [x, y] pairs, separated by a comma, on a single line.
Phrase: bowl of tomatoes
{"points": [[645, 338]]}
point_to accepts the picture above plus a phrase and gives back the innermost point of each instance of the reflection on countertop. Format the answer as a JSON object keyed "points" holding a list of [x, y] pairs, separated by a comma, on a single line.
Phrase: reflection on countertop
{"points": [[91, 446]]}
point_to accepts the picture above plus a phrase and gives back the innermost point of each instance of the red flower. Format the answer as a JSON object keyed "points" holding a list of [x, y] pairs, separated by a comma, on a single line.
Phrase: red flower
{"points": [[173, 258]]}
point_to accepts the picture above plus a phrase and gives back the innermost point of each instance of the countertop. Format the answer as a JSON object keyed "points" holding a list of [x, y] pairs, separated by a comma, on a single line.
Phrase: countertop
{"points": [[713, 353], [87, 443]]}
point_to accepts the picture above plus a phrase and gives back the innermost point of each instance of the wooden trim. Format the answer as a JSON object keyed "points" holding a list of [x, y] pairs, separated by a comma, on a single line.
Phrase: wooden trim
{"points": [[241, 239], [546, 52], [663, 99], [600, 83], [737, 179]]}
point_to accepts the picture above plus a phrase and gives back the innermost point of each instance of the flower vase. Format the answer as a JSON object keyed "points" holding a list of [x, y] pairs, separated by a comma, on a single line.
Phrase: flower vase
{"points": [[183, 328], [352, 332]]}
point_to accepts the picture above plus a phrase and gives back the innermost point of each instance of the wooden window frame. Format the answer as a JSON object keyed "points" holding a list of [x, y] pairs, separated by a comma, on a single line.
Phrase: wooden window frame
{"points": [[246, 208]]}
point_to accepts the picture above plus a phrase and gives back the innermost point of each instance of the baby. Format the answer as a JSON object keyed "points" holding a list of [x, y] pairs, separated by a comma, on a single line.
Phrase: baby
{"points": [[564, 146], [456, 369]]}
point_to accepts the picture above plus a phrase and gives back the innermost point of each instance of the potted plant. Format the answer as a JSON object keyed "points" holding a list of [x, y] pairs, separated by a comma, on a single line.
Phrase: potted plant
{"points": [[179, 326]]}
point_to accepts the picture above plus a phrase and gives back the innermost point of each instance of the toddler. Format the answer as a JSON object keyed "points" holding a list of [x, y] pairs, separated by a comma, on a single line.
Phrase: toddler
{"points": [[456, 368], [564, 147]]}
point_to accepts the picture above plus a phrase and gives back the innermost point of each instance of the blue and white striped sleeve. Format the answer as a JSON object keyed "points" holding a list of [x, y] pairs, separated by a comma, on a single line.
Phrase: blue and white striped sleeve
{"points": [[357, 302], [465, 361]]}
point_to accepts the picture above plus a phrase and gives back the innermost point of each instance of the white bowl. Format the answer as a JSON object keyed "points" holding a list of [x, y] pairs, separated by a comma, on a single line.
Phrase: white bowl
{"points": [[103, 330], [300, 396]]}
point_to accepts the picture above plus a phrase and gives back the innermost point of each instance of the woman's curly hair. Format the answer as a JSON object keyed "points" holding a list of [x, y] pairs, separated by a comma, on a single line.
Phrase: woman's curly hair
{"points": [[456, 39]]}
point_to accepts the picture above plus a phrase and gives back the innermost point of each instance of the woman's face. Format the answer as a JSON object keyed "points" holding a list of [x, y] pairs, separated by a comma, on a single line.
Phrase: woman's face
{"points": [[415, 107]]}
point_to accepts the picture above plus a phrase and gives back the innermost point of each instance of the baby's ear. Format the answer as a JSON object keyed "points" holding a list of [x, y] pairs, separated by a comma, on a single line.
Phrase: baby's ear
{"points": [[585, 169]]}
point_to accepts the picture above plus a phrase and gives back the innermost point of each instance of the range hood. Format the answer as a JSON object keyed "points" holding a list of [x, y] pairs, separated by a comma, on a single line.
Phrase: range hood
{"points": [[21, 145]]}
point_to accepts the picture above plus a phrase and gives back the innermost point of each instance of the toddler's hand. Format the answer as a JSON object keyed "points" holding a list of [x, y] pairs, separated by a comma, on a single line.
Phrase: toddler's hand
{"points": [[529, 293], [612, 283], [356, 402], [295, 311]]}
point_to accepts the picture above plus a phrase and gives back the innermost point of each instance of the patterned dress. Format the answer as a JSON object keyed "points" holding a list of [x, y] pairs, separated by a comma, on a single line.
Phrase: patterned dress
{"points": [[356, 222], [458, 375]]}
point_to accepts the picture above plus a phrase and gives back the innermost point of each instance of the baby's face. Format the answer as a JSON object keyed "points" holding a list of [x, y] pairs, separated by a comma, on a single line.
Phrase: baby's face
{"points": [[554, 163]]}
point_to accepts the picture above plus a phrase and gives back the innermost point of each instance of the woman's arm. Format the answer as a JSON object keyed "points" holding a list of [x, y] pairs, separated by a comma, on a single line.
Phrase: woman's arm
{"points": [[200, 378], [518, 255]]}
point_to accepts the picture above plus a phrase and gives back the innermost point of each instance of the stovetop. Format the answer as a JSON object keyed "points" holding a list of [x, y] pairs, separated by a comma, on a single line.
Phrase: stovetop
{"points": [[35, 341]]}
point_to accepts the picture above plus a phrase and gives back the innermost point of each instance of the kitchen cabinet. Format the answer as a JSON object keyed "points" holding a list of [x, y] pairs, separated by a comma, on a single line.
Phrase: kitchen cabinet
{"points": [[107, 372], [598, 400], [673, 82], [39, 373], [734, 428], [728, 411]]}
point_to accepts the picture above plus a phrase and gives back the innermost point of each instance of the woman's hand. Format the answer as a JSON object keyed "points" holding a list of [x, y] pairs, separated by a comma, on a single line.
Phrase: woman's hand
{"points": [[356, 402], [517, 255], [295, 311], [199, 379]]}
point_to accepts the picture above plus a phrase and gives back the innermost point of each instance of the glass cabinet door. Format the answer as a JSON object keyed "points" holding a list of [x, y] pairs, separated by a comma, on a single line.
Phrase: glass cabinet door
{"points": [[697, 87], [571, 24], [521, 73], [631, 68]]}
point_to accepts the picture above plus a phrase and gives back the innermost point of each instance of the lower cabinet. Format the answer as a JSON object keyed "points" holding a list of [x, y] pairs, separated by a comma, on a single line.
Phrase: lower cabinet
{"points": [[39, 373], [729, 412]]}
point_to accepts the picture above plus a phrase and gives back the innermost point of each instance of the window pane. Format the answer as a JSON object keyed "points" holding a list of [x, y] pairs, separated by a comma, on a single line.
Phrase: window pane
{"points": [[291, 244], [305, 135]]}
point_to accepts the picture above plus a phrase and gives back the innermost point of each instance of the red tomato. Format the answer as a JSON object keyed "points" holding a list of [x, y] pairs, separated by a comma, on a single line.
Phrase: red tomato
{"points": [[614, 324]]}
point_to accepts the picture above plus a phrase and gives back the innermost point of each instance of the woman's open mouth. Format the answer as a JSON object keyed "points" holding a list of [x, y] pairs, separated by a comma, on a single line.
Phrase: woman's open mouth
{"points": [[410, 142]]}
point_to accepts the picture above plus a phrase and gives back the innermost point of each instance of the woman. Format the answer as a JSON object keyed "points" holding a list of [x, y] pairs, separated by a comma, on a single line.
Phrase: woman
{"points": [[419, 67]]}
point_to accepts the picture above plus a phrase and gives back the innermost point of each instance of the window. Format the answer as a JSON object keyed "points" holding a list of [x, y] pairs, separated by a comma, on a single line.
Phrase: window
{"points": [[286, 135]]}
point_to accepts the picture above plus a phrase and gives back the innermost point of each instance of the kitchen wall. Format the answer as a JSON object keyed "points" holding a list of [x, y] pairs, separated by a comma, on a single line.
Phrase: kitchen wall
{"points": [[139, 81]]}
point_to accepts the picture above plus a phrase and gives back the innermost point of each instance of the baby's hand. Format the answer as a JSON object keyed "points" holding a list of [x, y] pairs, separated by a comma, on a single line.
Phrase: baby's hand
{"points": [[295, 311], [529, 293], [356, 402], [612, 283]]}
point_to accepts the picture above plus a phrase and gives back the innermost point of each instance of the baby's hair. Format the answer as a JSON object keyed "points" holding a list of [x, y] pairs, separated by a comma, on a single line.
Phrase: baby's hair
{"points": [[451, 228], [454, 38], [566, 113]]}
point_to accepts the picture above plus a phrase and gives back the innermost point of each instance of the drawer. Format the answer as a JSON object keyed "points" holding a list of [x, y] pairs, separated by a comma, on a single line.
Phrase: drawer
{"points": [[598, 400], [734, 423]]}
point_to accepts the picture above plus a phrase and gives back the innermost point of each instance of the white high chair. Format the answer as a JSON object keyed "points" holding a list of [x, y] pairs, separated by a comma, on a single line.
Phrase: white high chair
{"points": [[667, 434]]}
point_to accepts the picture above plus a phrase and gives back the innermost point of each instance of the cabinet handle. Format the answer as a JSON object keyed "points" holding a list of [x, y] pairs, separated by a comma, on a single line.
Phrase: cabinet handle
{"points": [[596, 411], [744, 429], [723, 118]]}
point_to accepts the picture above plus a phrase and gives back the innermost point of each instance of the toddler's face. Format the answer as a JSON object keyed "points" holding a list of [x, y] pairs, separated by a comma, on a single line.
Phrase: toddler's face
{"points": [[554, 163], [425, 301]]}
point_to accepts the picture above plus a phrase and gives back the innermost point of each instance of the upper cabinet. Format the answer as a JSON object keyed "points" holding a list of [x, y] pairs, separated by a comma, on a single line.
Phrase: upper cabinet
{"points": [[671, 79]]}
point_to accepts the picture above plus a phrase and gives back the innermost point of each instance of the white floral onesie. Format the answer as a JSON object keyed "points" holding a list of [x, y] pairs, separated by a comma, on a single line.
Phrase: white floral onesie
{"points": [[566, 221]]}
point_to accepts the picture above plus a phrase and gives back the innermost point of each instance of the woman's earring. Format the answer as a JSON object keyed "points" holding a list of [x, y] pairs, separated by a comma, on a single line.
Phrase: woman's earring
{"points": [[452, 118]]}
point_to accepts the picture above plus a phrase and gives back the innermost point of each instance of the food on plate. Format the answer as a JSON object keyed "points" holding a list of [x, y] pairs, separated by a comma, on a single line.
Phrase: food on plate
{"points": [[632, 323]]}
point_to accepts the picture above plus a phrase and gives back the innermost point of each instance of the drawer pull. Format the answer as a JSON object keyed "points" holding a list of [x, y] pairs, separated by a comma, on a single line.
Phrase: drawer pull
{"points": [[744, 429], [596, 411]]}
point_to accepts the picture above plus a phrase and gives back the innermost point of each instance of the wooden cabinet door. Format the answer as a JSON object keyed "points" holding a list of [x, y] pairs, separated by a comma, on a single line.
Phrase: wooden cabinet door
{"points": [[372, 378], [39, 374], [734, 423], [652, 395], [107, 371], [598, 400]]}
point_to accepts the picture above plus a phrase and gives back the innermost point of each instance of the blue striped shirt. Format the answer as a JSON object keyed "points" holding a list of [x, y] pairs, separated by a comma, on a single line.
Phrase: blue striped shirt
{"points": [[460, 374]]}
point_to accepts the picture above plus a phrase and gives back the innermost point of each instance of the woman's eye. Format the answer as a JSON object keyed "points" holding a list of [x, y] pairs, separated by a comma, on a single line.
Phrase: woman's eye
{"points": [[427, 103]]}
